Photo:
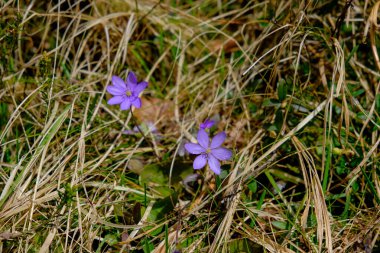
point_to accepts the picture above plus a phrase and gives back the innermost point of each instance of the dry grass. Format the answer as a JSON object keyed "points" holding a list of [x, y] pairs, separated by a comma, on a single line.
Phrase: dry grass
{"points": [[295, 85]]}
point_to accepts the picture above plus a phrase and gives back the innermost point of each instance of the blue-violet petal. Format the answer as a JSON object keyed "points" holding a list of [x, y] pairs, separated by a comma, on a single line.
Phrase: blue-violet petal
{"points": [[136, 102], [193, 148], [222, 153], [116, 91], [132, 79], [218, 140], [214, 164], [115, 100], [126, 104], [199, 162], [202, 138], [118, 82], [139, 88]]}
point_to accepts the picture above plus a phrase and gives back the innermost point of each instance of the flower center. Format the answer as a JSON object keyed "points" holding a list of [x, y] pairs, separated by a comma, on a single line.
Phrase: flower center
{"points": [[128, 93], [208, 151]]}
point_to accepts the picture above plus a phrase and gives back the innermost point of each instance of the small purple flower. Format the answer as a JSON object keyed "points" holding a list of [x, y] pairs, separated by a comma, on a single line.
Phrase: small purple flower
{"points": [[146, 128], [126, 93], [207, 124], [181, 148], [209, 152]]}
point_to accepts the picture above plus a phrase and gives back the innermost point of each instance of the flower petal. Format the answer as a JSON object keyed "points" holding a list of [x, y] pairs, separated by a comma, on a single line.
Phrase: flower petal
{"points": [[131, 81], [132, 78], [136, 102], [191, 178], [126, 105], [115, 90], [207, 124], [115, 100], [218, 140], [193, 148], [202, 138], [152, 127], [222, 153], [199, 162], [214, 164], [139, 88], [118, 82], [129, 132]]}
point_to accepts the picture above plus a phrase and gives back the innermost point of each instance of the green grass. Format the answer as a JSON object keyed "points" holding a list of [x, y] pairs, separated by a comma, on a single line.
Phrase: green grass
{"points": [[300, 107]]}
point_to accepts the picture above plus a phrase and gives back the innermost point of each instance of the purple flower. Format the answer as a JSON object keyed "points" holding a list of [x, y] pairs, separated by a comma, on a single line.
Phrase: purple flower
{"points": [[146, 128], [208, 152], [207, 124], [126, 93]]}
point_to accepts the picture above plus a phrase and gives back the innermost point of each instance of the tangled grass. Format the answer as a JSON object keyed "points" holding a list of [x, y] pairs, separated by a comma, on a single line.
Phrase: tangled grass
{"points": [[294, 84]]}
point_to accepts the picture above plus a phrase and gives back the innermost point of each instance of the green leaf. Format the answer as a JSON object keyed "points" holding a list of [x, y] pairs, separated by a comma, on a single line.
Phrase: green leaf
{"points": [[244, 245], [152, 173], [377, 99], [252, 108], [355, 186], [280, 224], [358, 92], [270, 102], [156, 177], [111, 239], [353, 51], [3, 114], [159, 173], [341, 167], [160, 209], [252, 186], [148, 246], [279, 120], [164, 191]]}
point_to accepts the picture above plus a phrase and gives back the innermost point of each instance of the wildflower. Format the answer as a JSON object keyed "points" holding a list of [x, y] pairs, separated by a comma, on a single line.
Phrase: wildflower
{"points": [[126, 93], [181, 148], [208, 152], [190, 179], [146, 128], [207, 124]]}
